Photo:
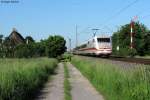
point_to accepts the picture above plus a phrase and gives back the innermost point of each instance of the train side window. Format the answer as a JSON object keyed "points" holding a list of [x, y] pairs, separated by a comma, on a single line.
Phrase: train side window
{"points": [[88, 42]]}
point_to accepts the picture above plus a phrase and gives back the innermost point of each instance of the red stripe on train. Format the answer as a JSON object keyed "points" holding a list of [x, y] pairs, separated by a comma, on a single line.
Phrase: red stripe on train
{"points": [[94, 49], [87, 49]]}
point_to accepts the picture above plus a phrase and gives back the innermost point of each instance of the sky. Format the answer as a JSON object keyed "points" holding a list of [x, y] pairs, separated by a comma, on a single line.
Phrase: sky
{"points": [[42, 18]]}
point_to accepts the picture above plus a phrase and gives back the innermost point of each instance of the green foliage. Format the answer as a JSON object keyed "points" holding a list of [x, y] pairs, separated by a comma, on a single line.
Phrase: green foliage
{"points": [[21, 78], [147, 43], [29, 39], [65, 57], [51, 47], [116, 83], [122, 38], [29, 50], [132, 52], [127, 52], [22, 51], [55, 45]]}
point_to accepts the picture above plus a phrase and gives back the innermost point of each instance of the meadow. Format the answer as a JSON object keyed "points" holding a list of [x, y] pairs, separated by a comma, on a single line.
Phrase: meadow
{"points": [[114, 82], [21, 78]]}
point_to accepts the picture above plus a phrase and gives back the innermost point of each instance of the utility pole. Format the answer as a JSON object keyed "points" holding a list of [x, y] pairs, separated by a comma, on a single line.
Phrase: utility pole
{"points": [[94, 31], [69, 45], [76, 35]]}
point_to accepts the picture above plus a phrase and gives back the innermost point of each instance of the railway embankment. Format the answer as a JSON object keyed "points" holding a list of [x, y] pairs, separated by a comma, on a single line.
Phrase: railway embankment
{"points": [[114, 79]]}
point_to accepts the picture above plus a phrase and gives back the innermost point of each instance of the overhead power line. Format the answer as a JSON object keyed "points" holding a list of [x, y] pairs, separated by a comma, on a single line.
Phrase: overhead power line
{"points": [[84, 30], [145, 16], [119, 12], [109, 19]]}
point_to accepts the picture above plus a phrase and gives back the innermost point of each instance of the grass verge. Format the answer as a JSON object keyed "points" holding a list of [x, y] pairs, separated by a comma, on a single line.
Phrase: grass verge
{"points": [[67, 87], [21, 78], [116, 83]]}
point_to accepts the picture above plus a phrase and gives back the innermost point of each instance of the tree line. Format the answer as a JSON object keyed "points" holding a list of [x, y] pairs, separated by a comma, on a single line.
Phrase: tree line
{"points": [[51, 47], [141, 40]]}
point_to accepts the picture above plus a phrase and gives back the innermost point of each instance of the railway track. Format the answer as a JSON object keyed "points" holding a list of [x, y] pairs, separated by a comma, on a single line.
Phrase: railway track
{"points": [[126, 59], [131, 60]]}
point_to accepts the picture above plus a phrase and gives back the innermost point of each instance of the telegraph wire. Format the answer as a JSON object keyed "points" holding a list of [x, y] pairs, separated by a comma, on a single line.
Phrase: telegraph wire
{"points": [[112, 17], [121, 11]]}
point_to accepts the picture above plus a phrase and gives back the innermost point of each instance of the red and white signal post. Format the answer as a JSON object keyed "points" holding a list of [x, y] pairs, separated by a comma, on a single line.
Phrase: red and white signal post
{"points": [[131, 34]]}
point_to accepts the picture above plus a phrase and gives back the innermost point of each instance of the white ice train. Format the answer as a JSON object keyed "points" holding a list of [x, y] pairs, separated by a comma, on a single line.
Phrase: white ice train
{"points": [[97, 46]]}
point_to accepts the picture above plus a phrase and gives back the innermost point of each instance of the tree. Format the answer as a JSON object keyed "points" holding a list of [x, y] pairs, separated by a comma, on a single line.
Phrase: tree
{"points": [[147, 43], [40, 49], [28, 50], [140, 31], [1, 39], [123, 36], [22, 51], [13, 47], [8, 46], [55, 45], [29, 39], [1, 46]]}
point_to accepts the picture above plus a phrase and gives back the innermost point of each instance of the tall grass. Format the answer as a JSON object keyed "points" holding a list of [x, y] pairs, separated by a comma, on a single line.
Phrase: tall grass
{"points": [[20, 78], [116, 83]]}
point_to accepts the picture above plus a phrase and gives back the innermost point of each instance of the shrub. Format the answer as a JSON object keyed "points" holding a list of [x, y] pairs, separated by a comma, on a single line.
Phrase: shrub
{"points": [[132, 52]]}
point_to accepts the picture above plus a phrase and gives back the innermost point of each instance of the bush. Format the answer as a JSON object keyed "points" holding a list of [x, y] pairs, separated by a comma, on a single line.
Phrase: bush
{"points": [[126, 52], [65, 57], [22, 51], [52, 47], [55, 46], [132, 52]]}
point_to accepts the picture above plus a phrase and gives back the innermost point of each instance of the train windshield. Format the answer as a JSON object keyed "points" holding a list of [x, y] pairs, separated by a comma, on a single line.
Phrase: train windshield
{"points": [[103, 39]]}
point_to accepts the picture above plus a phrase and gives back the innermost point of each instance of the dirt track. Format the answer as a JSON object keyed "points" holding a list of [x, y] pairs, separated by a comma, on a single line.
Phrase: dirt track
{"points": [[81, 89], [53, 90]]}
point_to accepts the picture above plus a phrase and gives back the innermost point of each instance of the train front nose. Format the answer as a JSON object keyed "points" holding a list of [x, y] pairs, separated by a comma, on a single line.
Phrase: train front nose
{"points": [[104, 51]]}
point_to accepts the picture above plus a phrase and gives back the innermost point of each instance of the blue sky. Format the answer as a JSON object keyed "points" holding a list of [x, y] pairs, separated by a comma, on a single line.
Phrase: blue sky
{"points": [[41, 18]]}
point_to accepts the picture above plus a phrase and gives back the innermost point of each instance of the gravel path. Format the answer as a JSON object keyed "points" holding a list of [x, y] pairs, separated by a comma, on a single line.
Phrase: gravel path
{"points": [[81, 87], [54, 90]]}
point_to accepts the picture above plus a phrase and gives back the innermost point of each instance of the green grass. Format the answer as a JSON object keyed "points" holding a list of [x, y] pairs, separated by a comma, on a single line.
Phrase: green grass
{"points": [[21, 78], [116, 83], [67, 87]]}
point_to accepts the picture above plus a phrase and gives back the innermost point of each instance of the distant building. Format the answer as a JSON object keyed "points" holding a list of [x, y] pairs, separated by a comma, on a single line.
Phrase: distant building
{"points": [[16, 38]]}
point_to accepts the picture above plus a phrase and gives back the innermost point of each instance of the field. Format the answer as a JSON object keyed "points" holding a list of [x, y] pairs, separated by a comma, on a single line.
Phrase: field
{"points": [[21, 78], [114, 82]]}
